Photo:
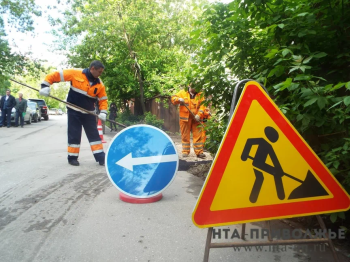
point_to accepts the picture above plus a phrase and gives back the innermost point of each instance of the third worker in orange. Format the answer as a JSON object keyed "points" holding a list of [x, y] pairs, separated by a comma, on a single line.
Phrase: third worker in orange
{"points": [[188, 123]]}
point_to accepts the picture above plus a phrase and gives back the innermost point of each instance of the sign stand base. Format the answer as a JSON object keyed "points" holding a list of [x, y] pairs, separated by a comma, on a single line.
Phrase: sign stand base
{"points": [[134, 200], [270, 241]]}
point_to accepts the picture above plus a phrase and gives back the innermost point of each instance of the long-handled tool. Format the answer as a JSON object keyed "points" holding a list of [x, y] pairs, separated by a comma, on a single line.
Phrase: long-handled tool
{"points": [[192, 114], [68, 104]]}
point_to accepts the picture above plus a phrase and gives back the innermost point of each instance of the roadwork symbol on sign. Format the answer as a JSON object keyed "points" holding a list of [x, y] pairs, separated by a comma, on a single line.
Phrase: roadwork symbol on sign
{"points": [[265, 170], [142, 161]]}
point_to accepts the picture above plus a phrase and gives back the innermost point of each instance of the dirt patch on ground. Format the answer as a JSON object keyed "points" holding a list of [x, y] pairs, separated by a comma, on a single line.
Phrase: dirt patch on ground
{"points": [[200, 170], [192, 164]]}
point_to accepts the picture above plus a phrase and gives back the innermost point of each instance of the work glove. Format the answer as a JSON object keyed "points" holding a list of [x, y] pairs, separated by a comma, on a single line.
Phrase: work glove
{"points": [[182, 101], [198, 118], [102, 116], [45, 90]]}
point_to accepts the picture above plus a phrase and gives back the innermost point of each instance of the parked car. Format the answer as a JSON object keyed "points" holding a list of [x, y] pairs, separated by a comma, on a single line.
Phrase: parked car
{"points": [[43, 107], [36, 112], [59, 112]]}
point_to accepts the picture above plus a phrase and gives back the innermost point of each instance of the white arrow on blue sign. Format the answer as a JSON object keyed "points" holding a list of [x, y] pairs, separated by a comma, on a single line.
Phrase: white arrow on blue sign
{"points": [[142, 161]]}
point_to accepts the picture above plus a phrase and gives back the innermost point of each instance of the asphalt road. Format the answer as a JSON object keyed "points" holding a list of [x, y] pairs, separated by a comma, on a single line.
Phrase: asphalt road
{"points": [[51, 211]]}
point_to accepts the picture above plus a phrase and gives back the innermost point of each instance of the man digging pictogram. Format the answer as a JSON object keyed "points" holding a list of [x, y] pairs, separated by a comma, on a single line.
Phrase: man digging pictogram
{"points": [[265, 150]]}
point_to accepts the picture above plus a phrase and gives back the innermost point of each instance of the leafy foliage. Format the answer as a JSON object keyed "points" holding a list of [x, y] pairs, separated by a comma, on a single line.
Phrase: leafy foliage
{"points": [[18, 17], [129, 119], [150, 37], [34, 79], [152, 120], [215, 131], [299, 50]]}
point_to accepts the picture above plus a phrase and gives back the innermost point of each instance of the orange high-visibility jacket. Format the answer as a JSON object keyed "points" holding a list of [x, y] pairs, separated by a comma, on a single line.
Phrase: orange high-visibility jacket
{"points": [[195, 104], [81, 93]]}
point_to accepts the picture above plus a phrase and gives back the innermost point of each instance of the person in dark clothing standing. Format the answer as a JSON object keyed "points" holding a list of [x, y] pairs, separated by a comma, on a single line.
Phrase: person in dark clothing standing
{"points": [[21, 109], [6, 104], [113, 115]]}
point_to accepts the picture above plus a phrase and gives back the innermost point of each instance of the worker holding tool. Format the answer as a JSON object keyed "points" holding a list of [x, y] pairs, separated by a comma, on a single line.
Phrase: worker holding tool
{"points": [[191, 111], [85, 88]]}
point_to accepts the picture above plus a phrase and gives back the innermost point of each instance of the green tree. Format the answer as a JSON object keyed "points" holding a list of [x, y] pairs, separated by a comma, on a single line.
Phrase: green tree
{"points": [[145, 45], [18, 17], [60, 91]]}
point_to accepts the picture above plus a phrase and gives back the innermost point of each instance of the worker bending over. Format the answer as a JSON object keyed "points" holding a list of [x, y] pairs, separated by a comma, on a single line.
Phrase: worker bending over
{"points": [[85, 88], [188, 122]]}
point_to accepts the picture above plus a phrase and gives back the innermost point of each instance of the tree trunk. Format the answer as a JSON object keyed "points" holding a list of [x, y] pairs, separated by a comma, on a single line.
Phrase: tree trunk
{"points": [[138, 107], [136, 66], [139, 77]]}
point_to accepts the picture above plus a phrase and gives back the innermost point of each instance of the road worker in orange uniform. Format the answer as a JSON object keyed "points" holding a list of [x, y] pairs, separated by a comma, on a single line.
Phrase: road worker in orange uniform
{"points": [[188, 123], [85, 88]]}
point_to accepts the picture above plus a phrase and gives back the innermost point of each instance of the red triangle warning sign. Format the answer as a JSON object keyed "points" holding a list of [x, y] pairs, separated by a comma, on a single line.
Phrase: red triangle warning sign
{"points": [[265, 170]]}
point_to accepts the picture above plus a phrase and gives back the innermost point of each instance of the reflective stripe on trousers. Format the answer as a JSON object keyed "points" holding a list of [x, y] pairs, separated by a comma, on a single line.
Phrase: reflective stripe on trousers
{"points": [[186, 128], [96, 147]]}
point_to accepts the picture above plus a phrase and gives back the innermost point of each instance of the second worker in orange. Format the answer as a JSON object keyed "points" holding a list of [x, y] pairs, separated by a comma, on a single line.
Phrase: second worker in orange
{"points": [[188, 123]]}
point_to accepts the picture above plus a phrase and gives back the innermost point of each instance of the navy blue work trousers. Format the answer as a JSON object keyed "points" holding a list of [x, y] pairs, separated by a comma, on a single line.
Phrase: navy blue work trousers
{"points": [[77, 120]]}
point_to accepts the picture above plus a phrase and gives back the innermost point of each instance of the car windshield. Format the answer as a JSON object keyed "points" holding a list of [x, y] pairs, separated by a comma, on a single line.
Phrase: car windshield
{"points": [[32, 106], [40, 102]]}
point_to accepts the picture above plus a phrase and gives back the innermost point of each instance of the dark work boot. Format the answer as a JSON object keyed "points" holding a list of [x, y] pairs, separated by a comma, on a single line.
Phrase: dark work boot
{"points": [[102, 161], [201, 155], [73, 162]]}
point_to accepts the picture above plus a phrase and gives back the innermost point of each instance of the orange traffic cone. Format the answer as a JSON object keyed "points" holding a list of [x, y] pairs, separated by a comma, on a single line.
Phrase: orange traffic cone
{"points": [[100, 132]]}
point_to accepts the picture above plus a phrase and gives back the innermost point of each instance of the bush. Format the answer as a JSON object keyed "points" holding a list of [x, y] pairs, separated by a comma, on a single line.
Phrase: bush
{"points": [[215, 131], [152, 120], [127, 118]]}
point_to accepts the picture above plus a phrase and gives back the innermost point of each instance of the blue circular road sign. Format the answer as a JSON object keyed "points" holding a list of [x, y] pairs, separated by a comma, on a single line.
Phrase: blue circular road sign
{"points": [[142, 161]]}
